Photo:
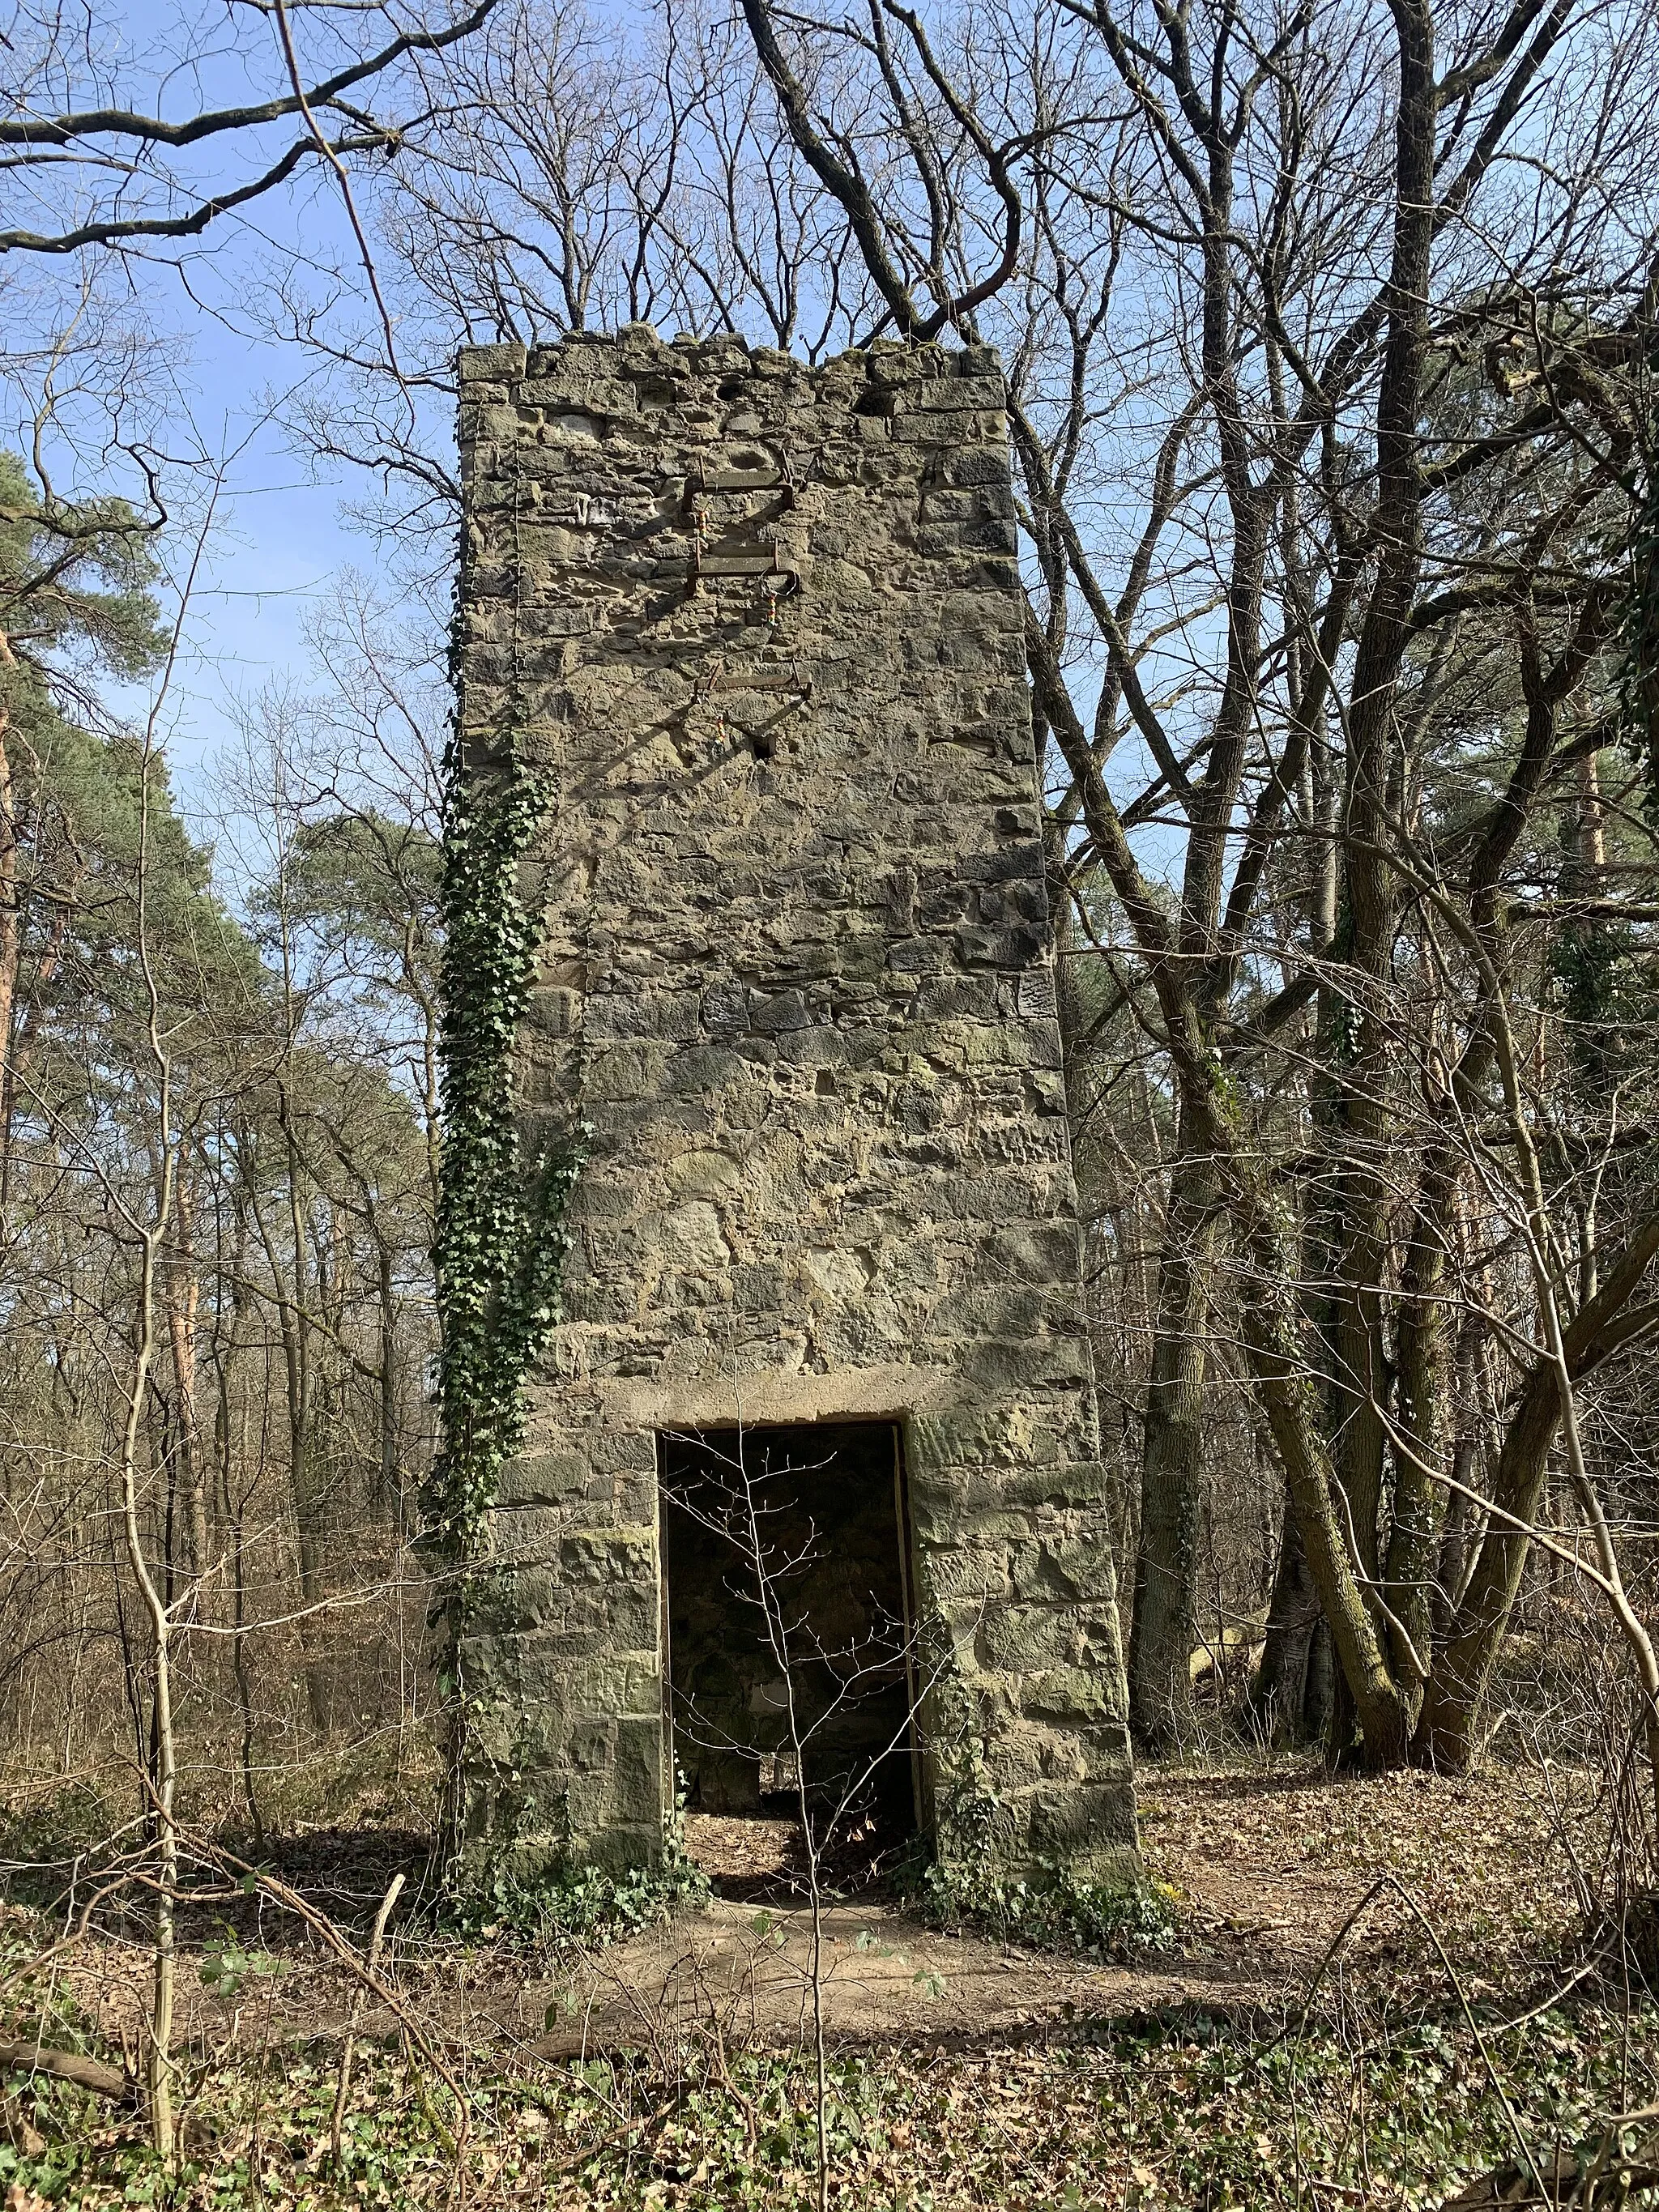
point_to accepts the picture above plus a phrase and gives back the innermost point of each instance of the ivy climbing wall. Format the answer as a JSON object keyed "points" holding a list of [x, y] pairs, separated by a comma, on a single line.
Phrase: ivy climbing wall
{"points": [[750, 634]]}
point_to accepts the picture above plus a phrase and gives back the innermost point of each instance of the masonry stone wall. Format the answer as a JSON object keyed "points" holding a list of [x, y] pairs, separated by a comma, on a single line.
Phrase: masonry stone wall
{"points": [[755, 628]]}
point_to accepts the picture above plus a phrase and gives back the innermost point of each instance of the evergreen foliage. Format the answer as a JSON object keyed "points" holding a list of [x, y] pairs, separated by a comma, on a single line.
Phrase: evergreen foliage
{"points": [[500, 1239]]}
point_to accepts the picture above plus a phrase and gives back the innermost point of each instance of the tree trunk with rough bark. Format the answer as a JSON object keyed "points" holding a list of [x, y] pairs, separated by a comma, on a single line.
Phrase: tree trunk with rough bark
{"points": [[1164, 1621], [1292, 1694]]}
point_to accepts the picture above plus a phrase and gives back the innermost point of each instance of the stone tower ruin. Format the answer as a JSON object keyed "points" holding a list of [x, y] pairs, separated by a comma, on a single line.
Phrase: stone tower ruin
{"points": [[754, 630]]}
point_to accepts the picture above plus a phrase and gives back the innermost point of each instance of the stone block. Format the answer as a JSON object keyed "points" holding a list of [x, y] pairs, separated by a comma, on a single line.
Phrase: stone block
{"points": [[948, 1575], [638, 1796], [1019, 1638], [986, 391], [1061, 1571], [489, 364], [609, 1555], [1090, 1826]]}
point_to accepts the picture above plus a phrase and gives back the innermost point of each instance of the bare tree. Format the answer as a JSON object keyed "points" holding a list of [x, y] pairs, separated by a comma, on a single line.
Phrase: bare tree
{"points": [[1346, 282], [90, 164]]}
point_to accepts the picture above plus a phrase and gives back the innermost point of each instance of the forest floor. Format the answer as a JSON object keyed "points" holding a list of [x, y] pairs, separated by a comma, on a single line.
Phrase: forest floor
{"points": [[1377, 1990]]}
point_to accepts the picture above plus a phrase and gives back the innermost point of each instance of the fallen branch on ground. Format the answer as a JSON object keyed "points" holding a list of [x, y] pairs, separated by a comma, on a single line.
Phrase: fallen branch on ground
{"points": [[66, 2066]]}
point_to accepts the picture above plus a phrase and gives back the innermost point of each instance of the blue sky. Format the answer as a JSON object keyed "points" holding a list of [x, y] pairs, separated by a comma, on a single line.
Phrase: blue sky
{"points": [[282, 529], [209, 370]]}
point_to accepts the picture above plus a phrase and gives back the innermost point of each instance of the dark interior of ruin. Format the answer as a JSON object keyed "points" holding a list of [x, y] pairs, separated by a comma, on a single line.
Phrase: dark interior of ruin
{"points": [[789, 1656]]}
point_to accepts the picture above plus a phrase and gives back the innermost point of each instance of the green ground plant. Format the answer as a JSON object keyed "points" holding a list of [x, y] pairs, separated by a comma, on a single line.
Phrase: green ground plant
{"points": [[1188, 2112], [560, 1905], [1123, 1912]]}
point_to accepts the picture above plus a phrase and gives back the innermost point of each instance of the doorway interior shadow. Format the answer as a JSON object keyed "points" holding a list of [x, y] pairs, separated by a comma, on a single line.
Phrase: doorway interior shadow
{"points": [[790, 1660]]}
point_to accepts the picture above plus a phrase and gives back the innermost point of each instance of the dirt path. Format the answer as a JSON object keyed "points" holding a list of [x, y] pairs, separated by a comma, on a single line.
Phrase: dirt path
{"points": [[748, 1975], [1269, 1865]]}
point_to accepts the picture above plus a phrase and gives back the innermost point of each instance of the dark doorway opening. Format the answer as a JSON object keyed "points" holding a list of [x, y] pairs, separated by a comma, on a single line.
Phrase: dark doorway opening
{"points": [[791, 1665]]}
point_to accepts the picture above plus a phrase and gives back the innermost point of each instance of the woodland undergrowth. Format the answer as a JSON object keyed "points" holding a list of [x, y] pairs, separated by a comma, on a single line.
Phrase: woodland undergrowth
{"points": [[1432, 2008]]}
